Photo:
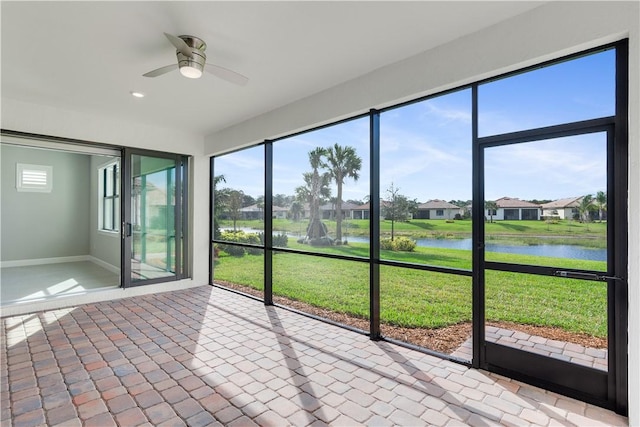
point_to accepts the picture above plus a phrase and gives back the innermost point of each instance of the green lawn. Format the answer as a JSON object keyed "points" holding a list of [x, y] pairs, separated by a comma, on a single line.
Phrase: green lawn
{"points": [[416, 298]]}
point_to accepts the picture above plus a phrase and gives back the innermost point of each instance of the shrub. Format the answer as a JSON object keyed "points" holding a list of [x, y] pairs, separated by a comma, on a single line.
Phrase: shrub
{"points": [[386, 244], [233, 250], [240, 237], [279, 240], [404, 244], [400, 244]]}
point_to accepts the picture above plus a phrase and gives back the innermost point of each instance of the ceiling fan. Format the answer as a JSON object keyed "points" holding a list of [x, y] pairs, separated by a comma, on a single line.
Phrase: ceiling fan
{"points": [[192, 61]]}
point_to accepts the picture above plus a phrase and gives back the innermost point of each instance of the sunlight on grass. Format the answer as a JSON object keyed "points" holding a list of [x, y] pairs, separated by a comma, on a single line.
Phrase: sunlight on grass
{"points": [[414, 298]]}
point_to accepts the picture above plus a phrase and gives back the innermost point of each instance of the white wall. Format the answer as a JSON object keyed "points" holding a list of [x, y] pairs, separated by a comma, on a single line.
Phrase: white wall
{"points": [[47, 225], [550, 31]]}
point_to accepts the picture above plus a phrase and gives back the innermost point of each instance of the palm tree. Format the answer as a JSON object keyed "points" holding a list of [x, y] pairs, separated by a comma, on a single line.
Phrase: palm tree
{"points": [[491, 207], [296, 210], [342, 163], [586, 206], [315, 190], [260, 206], [601, 203]]}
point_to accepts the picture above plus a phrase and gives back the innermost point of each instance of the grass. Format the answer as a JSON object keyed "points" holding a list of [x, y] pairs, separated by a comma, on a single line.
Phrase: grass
{"points": [[414, 298]]}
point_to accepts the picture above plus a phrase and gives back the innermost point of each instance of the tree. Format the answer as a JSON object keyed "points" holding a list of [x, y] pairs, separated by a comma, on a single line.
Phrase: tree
{"points": [[315, 191], [247, 200], [601, 203], [296, 210], [397, 207], [491, 207], [218, 204], [260, 206], [234, 206], [586, 206], [280, 200], [342, 163]]}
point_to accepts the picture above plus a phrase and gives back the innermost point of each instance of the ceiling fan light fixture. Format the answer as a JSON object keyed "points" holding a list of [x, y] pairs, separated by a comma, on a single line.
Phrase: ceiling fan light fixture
{"points": [[191, 72], [192, 67]]}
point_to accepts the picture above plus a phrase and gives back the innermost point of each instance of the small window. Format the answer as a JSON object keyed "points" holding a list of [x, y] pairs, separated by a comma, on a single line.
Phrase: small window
{"points": [[34, 178], [109, 193], [439, 212]]}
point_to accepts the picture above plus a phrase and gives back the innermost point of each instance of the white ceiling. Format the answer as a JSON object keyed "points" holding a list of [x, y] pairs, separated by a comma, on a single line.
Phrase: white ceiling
{"points": [[89, 56]]}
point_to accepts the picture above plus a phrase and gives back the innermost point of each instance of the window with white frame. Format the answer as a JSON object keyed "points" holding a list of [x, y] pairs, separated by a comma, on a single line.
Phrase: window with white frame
{"points": [[109, 197], [34, 178]]}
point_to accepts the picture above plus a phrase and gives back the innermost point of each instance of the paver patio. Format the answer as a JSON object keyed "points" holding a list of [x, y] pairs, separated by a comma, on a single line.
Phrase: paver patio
{"points": [[569, 352], [207, 356]]}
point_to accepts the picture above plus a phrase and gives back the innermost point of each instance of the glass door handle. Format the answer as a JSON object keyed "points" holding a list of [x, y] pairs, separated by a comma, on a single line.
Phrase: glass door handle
{"points": [[585, 276], [126, 229]]}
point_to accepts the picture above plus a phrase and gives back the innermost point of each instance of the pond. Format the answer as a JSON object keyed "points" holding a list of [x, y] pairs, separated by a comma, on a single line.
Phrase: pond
{"points": [[556, 251]]}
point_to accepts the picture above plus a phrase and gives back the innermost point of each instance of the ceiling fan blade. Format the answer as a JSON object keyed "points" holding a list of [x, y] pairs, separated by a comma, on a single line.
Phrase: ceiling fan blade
{"points": [[180, 45], [226, 74], [160, 71]]}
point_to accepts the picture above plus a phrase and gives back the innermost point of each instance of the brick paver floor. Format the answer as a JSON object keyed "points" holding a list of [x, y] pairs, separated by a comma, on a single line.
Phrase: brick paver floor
{"points": [[206, 356], [569, 352]]}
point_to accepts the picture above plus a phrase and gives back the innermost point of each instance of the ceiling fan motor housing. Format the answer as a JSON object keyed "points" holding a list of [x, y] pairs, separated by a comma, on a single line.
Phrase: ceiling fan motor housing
{"points": [[198, 58]]}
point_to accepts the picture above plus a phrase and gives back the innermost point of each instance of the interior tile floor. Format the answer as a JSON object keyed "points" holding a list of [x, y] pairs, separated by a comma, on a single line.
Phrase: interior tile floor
{"points": [[38, 282], [207, 356]]}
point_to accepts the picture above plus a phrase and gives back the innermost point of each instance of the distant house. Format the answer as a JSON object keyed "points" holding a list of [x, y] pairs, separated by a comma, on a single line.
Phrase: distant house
{"points": [[438, 209], [328, 211], [511, 208], [562, 208], [279, 212], [361, 212], [256, 212], [252, 212]]}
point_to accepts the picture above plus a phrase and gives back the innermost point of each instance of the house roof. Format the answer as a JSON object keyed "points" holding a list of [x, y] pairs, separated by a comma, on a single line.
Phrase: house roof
{"points": [[252, 208], [513, 202], [255, 208], [570, 202], [437, 204], [346, 206]]}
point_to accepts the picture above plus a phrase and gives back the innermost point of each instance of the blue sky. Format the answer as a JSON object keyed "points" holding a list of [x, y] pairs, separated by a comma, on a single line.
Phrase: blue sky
{"points": [[426, 146]]}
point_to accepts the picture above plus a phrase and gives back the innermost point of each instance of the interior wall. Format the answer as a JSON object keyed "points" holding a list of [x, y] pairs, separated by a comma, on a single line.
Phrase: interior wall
{"points": [[104, 246], [47, 225], [552, 30]]}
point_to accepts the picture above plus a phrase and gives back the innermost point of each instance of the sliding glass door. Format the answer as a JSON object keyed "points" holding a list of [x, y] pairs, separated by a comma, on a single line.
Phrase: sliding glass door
{"points": [[152, 228]]}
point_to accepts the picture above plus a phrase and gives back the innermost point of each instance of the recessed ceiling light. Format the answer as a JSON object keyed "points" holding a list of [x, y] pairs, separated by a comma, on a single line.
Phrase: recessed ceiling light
{"points": [[137, 94]]}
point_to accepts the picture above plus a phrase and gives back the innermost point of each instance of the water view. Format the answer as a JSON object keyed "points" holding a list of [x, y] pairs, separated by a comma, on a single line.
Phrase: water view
{"points": [[556, 251]]}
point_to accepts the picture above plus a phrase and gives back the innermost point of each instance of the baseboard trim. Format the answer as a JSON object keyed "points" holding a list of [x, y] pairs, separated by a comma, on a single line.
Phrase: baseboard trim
{"points": [[112, 268]]}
